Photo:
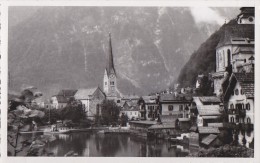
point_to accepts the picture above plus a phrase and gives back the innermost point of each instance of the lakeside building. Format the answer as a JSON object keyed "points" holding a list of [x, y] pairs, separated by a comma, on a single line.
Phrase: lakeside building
{"points": [[91, 100], [151, 107], [176, 105], [205, 110]]}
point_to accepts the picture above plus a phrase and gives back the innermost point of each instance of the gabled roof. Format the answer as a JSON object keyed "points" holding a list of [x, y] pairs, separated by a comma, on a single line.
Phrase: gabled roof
{"points": [[246, 81], [208, 110], [215, 124], [149, 99], [173, 98], [62, 99], [67, 92], [210, 99], [86, 93], [208, 130], [209, 139]]}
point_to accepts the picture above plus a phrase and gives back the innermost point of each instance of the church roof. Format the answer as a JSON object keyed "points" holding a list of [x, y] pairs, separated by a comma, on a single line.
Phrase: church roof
{"points": [[110, 65], [235, 31], [85, 93], [67, 92]]}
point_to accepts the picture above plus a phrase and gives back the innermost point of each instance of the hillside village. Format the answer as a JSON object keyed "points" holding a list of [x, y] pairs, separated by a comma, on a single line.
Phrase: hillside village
{"points": [[222, 115]]}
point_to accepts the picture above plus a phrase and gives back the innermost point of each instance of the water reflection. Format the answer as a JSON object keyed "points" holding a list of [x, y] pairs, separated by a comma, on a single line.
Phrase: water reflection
{"points": [[112, 145]]}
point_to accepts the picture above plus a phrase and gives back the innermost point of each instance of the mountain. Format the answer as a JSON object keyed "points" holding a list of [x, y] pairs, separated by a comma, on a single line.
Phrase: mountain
{"points": [[55, 48]]}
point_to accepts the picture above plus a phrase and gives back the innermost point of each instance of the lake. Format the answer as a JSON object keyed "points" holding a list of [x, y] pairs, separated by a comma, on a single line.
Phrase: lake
{"points": [[111, 145]]}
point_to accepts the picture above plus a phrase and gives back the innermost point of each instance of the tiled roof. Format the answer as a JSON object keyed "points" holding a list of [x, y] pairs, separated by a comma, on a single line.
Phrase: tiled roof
{"points": [[211, 99], [149, 99], [184, 119], [85, 93], [173, 98], [162, 126], [168, 118], [210, 117], [205, 110], [235, 30], [67, 92], [215, 124], [62, 99], [208, 130], [130, 97], [246, 81], [209, 139]]}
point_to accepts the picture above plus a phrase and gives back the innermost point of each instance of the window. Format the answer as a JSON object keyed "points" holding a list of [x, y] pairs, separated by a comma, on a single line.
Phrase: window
{"points": [[170, 107], [236, 92], [247, 106], [241, 92], [181, 108], [112, 83], [130, 113], [244, 60], [250, 19], [232, 119], [248, 120], [105, 83], [231, 106]]}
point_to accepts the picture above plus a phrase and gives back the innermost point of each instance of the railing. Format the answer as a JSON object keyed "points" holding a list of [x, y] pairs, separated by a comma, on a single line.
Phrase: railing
{"points": [[240, 113]]}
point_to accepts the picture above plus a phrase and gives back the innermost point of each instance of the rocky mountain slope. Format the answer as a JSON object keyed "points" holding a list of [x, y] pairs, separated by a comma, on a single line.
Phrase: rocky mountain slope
{"points": [[66, 47]]}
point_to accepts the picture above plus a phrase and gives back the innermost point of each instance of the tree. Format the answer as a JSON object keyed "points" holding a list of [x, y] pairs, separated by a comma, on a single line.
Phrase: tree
{"points": [[19, 112], [74, 111], [206, 88], [109, 112]]}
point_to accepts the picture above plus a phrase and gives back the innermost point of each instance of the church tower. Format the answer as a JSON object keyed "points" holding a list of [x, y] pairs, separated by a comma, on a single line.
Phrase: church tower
{"points": [[110, 78]]}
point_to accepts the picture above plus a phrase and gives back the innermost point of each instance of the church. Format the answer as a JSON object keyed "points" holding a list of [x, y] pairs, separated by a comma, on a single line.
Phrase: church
{"points": [[110, 76]]}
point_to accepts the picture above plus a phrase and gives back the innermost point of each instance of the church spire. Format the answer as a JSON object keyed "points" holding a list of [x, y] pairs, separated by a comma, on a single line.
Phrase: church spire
{"points": [[110, 66]]}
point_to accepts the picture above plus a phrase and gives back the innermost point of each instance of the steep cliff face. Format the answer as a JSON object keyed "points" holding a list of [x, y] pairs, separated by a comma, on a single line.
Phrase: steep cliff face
{"points": [[66, 47]]}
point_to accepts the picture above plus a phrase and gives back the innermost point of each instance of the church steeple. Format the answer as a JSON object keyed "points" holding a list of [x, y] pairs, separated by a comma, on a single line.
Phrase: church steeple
{"points": [[110, 78], [110, 64]]}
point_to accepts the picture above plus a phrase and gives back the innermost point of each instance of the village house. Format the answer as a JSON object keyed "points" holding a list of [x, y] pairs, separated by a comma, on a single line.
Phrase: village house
{"points": [[176, 105], [151, 107], [91, 99], [239, 98], [131, 112], [60, 100], [205, 110]]}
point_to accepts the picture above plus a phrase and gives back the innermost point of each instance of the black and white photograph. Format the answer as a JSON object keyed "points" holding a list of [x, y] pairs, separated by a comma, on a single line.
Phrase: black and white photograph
{"points": [[131, 81]]}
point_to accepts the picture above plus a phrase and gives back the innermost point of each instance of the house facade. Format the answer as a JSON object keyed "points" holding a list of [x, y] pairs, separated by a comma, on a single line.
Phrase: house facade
{"points": [[176, 105], [239, 97]]}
